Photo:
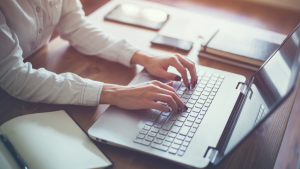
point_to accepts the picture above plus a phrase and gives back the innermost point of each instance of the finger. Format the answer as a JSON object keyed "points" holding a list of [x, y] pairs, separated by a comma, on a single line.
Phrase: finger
{"points": [[165, 98], [170, 83], [158, 106], [181, 69], [165, 86], [175, 97], [190, 66]]}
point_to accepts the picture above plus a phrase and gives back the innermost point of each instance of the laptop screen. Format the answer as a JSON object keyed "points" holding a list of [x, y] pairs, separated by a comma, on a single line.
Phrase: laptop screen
{"points": [[269, 85]]}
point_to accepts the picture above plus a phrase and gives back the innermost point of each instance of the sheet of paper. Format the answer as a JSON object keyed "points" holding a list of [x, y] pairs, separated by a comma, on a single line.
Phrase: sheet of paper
{"points": [[52, 140]]}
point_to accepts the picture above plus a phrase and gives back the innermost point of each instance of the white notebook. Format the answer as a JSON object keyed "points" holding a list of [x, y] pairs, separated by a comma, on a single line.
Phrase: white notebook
{"points": [[49, 140]]}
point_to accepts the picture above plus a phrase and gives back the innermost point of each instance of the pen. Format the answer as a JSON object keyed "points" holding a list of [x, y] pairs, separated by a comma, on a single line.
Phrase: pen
{"points": [[13, 152]]}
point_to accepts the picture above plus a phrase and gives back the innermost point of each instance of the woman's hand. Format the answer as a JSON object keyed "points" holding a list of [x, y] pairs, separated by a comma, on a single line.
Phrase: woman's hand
{"points": [[142, 96], [158, 66]]}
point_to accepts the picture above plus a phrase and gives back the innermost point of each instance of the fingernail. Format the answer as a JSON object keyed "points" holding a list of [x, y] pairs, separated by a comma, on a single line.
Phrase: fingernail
{"points": [[177, 78], [185, 107]]}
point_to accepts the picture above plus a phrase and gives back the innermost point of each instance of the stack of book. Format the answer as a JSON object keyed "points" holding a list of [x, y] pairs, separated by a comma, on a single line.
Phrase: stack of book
{"points": [[242, 50]]}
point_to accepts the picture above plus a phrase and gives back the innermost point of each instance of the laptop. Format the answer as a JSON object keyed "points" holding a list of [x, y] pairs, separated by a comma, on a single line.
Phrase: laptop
{"points": [[223, 109]]}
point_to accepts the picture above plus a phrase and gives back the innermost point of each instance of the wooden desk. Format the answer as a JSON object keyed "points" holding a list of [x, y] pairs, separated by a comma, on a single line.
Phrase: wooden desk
{"points": [[259, 151]]}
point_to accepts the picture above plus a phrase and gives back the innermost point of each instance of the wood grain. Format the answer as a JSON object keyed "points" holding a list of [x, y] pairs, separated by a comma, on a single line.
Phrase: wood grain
{"points": [[260, 150]]}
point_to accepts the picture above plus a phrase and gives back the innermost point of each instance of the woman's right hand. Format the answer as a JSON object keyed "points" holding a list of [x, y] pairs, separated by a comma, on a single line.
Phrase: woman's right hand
{"points": [[142, 96]]}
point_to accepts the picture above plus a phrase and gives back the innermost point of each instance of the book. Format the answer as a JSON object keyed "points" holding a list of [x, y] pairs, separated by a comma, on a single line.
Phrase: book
{"points": [[242, 48], [49, 140]]}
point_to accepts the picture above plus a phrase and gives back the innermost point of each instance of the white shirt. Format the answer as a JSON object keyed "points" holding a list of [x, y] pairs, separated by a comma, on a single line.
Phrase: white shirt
{"points": [[27, 25]]}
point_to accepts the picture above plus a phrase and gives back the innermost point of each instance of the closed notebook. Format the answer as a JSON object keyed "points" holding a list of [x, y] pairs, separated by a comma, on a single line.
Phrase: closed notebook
{"points": [[50, 141], [239, 47]]}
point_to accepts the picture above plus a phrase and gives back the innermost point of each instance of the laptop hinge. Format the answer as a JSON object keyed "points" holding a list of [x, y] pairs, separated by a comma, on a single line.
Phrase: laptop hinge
{"points": [[242, 87], [211, 154]]}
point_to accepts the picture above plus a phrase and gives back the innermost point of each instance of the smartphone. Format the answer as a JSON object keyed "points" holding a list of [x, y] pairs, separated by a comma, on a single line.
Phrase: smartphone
{"points": [[176, 44]]}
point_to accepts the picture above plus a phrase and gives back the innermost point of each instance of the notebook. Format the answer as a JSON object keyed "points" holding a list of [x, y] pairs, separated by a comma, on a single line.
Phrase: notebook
{"points": [[49, 140]]}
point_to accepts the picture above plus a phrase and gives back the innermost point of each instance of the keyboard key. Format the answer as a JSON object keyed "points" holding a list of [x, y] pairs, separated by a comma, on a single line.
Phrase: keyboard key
{"points": [[166, 143], [180, 137], [178, 123], [184, 114], [210, 86], [206, 104], [144, 131], [215, 90], [141, 136], [212, 82], [195, 109], [193, 130], [216, 75], [188, 123], [148, 138], [158, 141], [182, 88], [159, 136], [193, 114], [195, 125], [217, 86], [182, 119], [180, 92], [172, 135], [145, 142], [209, 100], [180, 153], [207, 89], [188, 92], [203, 97], [176, 146], [198, 105], [182, 148], [159, 147], [192, 119], [205, 93], [138, 140], [149, 123], [175, 129], [189, 105], [199, 89], [185, 143], [173, 117], [202, 112], [184, 100], [157, 125], [166, 114], [204, 82], [194, 97], [167, 126], [218, 83], [190, 134], [222, 76], [163, 132], [170, 139], [201, 101], [200, 116], [172, 151], [208, 74], [186, 96], [212, 93], [178, 141], [155, 130], [188, 139], [198, 121], [197, 93], [213, 78], [205, 78], [200, 72], [184, 130], [152, 134], [192, 101], [204, 109], [146, 127]]}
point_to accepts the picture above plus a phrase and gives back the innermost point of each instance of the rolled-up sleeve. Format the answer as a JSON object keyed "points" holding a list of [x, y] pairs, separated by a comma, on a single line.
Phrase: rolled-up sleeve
{"points": [[20, 80], [90, 40]]}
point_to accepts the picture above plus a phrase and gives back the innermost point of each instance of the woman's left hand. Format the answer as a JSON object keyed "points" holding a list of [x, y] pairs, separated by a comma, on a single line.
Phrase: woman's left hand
{"points": [[158, 66]]}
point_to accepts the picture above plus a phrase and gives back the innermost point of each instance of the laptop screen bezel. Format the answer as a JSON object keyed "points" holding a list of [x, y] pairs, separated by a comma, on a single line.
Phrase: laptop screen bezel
{"points": [[274, 107]]}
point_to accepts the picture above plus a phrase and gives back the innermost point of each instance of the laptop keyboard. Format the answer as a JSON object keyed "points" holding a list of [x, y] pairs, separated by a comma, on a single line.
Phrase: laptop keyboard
{"points": [[261, 113], [172, 132]]}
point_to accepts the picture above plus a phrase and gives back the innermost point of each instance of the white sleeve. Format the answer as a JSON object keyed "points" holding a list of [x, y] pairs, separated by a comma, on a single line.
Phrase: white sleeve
{"points": [[20, 80], [88, 39]]}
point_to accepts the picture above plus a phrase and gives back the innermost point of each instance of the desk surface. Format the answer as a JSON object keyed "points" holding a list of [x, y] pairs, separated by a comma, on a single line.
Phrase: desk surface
{"points": [[259, 151]]}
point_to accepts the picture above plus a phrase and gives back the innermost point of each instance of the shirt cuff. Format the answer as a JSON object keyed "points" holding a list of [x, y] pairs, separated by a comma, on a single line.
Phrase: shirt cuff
{"points": [[126, 53], [90, 94]]}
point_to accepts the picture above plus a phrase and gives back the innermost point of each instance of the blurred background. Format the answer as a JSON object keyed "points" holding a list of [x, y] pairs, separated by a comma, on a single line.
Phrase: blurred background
{"points": [[280, 16]]}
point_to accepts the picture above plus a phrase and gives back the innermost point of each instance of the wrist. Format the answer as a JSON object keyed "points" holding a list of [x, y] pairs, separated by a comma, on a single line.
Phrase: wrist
{"points": [[109, 94], [141, 58]]}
